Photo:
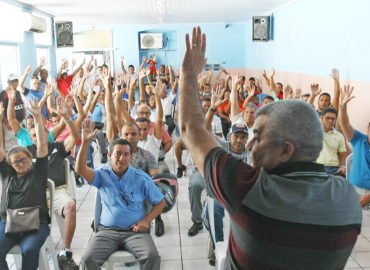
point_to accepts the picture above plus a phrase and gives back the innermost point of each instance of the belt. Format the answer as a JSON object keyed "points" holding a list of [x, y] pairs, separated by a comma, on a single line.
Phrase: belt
{"points": [[161, 159], [118, 229]]}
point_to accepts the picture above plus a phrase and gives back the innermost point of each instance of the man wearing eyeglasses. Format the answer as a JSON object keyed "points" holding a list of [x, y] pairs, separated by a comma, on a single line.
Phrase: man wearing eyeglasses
{"points": [[333, 154]]}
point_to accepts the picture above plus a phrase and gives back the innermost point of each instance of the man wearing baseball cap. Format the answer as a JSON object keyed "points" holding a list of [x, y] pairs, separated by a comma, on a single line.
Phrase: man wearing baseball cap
{"points": [[13, 82]]}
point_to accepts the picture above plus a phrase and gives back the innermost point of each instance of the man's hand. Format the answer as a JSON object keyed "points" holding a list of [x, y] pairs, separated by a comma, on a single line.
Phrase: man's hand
{"points": [[62, 108], [345, 95], [28, 70], [143, 59], [235, 80], [158, 88], [365, 200], [73, 63], [342, 170], [11, 92], [142, 73], [298, 93], [88, 132], [217, 94], [141, 227], [251, 90], [43, 61], [264, 73], [334, 74], [315, 89], [34, 108], [194, 59], [123, 60], [288, 92], [273, 72]]}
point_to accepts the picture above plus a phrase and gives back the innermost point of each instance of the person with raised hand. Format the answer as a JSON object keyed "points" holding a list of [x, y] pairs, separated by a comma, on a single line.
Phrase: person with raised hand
{"points": [[262, 198], [24, 185], [324, 98], [123, 190], [359, 175]]}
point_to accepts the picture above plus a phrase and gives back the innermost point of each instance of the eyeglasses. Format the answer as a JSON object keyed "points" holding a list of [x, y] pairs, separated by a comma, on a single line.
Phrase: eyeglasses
{"points": [[19, 162], [143, 113]]}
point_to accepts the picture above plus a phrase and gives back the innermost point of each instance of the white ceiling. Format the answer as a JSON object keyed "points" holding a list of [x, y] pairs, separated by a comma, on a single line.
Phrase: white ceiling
{"points": [[123, 12]]}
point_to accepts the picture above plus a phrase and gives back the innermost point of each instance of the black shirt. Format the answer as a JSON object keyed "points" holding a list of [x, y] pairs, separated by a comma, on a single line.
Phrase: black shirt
{"points": [[18, 104], [57, 154], [27, 190]]}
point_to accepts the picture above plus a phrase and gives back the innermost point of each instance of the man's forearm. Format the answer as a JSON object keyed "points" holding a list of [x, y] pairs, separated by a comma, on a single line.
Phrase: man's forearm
{"points": [[167, 146], [82, 157], [156, 211]]}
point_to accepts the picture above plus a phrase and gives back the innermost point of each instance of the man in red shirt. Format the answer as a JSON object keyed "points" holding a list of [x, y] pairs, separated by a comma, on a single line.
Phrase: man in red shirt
{"points": [[64, 80]]}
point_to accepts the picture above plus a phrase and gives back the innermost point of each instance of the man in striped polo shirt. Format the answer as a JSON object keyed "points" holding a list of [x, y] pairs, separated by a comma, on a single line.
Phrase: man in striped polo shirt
{"points": [[286, 212]]}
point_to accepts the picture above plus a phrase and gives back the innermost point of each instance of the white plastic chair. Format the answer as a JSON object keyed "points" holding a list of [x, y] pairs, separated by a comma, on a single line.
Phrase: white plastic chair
{"points": [[47, 246], [349, 165], [120, 256], [71, 185], [220, 247]]}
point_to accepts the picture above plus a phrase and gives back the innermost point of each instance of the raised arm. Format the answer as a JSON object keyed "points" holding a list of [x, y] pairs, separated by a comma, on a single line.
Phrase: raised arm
{"points": [[123, 65], [251, 93], [216, 101], [41, 133], [210, 74], [345, 125], [159, 110], [267, 80], [48, 91], [88, 133], [42, 64], [142, 74], [142, 63], [132, 86], [27, 72], [62, 110], [272, 83], [2, 146], [314, 93], [191, 118], [110, 110], [14, 124], [234, 102], [335, 77], [78, 68], [62, 66]]}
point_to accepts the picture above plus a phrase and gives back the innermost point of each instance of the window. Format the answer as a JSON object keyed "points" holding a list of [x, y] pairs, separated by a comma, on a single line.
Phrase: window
{"points": [[11, 25], [8, 63], [43, 52]]}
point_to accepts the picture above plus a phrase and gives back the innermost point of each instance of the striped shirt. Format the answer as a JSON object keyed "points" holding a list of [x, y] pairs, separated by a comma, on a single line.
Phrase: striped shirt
{"points": [[294, 217]]}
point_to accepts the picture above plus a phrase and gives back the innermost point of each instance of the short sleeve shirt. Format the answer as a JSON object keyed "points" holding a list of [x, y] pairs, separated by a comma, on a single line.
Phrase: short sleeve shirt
{"points": [[25, 191], [151, 144], [144, 160], [57, 154], [360, 172], [24, 138], [333, 144], [65, 85], [29, 95], [124, 197], [18, 104], [97, 115]]}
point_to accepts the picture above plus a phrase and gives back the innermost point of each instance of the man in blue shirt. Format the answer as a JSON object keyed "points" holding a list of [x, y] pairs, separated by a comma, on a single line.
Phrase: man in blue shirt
{"points": [[359, 175], [123, 190]]}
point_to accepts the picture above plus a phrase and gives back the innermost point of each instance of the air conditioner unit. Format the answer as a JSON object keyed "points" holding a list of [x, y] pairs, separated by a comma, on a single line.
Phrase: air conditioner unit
{"points": [[151, 40], [34, 23]]}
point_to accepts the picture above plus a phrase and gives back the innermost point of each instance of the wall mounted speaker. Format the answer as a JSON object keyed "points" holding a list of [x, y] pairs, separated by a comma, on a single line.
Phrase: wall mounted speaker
{"points": [[64, 34], [261, 28]]}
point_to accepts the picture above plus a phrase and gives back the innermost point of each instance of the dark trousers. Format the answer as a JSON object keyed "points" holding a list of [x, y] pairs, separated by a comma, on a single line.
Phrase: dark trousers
{"points": [[170, 124], [30, 244]]}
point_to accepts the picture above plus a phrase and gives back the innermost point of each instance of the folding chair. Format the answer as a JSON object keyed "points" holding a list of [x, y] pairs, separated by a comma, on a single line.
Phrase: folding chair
{"points": [[47, 246], [120, 256]]}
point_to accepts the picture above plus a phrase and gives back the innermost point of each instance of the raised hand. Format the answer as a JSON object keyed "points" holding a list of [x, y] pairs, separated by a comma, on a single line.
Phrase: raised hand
{"points": [[62, 109], [143, 59], [177, 74], [28, 70], [251, 90], [345, 95], [73, 91], [264, 73], [142, 74], [34, 107], [11, 92], [217, 97], [273, 72], [288, 92], [50, 88], [73, 62], [88, 132], [123, 60], [315, 89], [43, 61], [194, 59], [334, 74], [158, 88], [298, 93], [235, 79]]}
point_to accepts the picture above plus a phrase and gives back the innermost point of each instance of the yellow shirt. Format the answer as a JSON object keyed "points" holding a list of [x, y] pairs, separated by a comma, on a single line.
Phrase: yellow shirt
{"points": [[333, 144]]}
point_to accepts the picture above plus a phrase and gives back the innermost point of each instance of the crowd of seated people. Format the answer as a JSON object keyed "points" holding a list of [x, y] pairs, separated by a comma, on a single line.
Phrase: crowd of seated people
{"points": [[135, 117]]}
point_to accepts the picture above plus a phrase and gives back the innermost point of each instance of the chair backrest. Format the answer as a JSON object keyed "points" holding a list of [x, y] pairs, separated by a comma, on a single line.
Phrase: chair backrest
{"points": [[51, 187], [71, 183], [98, 209], [349, 165]]}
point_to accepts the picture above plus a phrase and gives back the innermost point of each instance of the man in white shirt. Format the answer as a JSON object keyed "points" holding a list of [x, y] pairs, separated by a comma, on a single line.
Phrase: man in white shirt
{"points": [[166, 101]]}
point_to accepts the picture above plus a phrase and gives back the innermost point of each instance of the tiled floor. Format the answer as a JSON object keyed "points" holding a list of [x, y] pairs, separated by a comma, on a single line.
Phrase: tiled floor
{"points": [[178, 250]]}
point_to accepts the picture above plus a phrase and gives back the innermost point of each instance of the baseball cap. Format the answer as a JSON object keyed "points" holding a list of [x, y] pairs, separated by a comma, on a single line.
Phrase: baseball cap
{"points": [[12, 77], [239, 128]]}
